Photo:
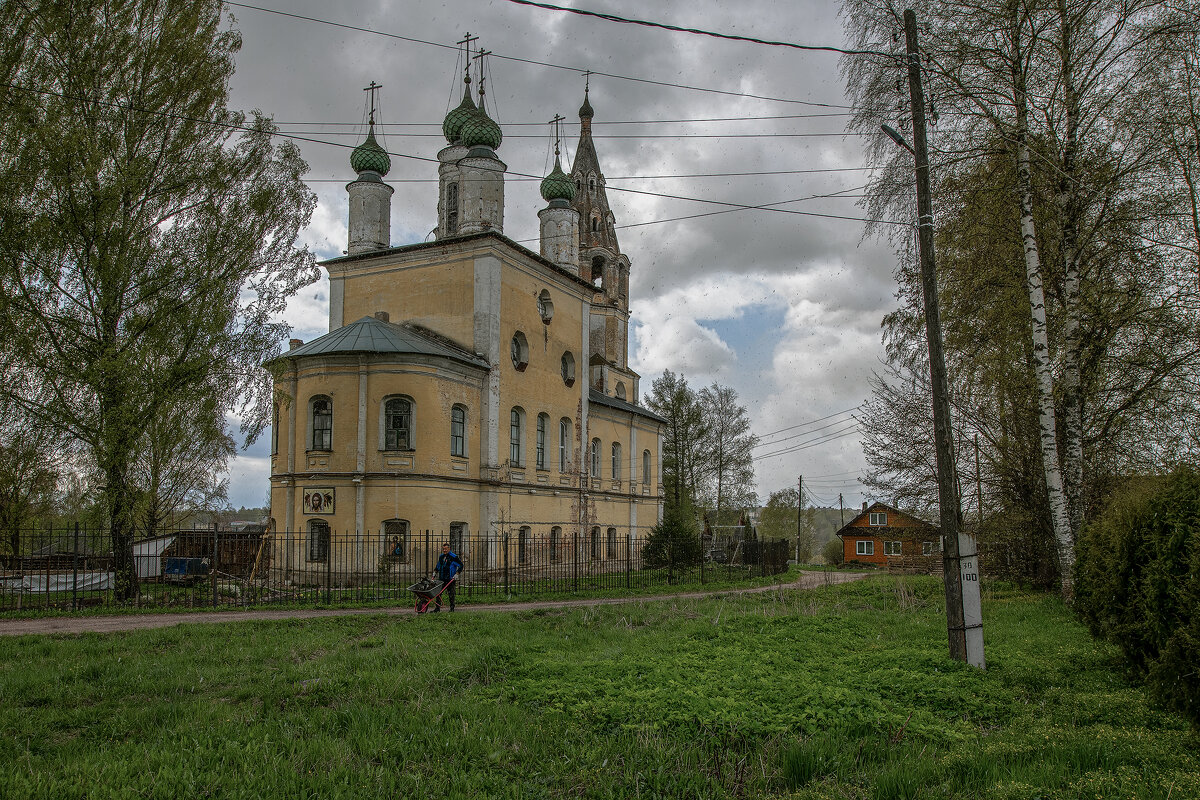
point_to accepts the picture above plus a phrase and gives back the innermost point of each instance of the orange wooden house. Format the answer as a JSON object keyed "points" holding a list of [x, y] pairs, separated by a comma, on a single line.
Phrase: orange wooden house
{"points": [[891, 538]]}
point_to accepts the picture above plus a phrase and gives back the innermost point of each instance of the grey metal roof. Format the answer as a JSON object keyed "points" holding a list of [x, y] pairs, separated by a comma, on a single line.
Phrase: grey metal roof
{"points": [[602, 399], [370, 335]]}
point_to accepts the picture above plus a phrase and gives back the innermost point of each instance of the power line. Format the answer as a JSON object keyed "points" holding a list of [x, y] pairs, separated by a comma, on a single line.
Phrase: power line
{"points": [[777, 442], [811, 135], [539, 63], [697, 31], [595, 124], [812, 422], [831, 436]]}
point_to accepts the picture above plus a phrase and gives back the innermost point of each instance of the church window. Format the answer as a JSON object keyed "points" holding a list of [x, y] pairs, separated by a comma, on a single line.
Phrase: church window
{"points": [[616, 461], [595, 224], [596, 543], [458, 537], [564, 444], [452, 208], [397, 424], [542, 421], [458, 431], [274, 429], [567, 366], [318, 540], [555, 543], [523, 545], [646, 467], [516, 436], [395, 539], [612, 543], [321, 409], [519, 351], [592, 188], [595, 458], [545, 306], [620, 391]]}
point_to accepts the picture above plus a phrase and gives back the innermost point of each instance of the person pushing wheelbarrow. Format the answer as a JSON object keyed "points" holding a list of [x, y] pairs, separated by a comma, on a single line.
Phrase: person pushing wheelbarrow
{"points": [[447, 569]]}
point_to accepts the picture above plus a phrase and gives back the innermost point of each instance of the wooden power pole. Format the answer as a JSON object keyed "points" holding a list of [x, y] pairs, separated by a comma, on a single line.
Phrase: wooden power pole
{"points": [[960, 564]]}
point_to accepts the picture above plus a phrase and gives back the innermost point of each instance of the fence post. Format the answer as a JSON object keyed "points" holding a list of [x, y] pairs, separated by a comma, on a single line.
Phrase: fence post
{"points": [[329, 570], [75, 571], [216, 560], [504, 542], [575, 562], [49, 558]]}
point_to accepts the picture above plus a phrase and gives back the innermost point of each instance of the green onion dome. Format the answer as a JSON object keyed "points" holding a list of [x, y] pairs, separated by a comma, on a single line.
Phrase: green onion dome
{"points": [[453, 124], [585, 110], [370, 157], [480, 130], [557, 185]]}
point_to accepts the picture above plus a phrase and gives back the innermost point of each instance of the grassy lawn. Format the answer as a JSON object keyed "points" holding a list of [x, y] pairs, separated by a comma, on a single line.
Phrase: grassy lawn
{"points": [[842, 692]]}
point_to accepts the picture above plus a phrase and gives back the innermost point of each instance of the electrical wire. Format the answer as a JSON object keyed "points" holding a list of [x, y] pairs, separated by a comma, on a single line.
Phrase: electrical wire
{"points": [[812, 422]]}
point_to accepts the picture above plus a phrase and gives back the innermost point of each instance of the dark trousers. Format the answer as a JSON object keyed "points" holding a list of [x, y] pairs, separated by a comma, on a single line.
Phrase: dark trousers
{"points": [[448, 594]]}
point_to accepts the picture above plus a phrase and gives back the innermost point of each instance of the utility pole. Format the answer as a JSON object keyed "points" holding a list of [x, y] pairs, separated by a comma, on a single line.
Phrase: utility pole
{"points": [[960, 564], [799, 515], [841, 510], [978, 480]]}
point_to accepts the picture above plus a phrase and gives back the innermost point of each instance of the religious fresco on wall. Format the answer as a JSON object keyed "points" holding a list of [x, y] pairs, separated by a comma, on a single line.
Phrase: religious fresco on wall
{"points": [[318, 501]]}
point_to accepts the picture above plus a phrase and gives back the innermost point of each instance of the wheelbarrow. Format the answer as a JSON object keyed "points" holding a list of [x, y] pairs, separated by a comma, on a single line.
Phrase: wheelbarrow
{"points": [[427, 591]]}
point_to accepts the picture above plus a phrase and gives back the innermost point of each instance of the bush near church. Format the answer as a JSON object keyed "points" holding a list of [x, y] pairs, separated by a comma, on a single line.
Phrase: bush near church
{"points": [[1138, 584], [673, 542]]}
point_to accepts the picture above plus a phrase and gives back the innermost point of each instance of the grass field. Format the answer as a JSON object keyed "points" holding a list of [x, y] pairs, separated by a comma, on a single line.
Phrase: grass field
{"points": [[842, 692]]}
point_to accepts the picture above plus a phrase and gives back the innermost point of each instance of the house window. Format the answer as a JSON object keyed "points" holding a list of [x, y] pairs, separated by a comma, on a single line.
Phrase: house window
{"points": [[318, 540], [646, 467], [891, 548], [567, 367], [596, 543], [926, 548], [612, 543], [516, 435], [595, 459], [395, 537], [564, 444], [542, 421], [865, 548], [878, 518], [458, 536], [519, 350], [322, 423], [458, 431], [397, 424], [616, 461], [523, 545], [555, 543]]}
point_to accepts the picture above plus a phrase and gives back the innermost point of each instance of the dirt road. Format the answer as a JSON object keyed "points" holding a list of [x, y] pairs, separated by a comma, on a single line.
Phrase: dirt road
{"points": [[129, 622]]}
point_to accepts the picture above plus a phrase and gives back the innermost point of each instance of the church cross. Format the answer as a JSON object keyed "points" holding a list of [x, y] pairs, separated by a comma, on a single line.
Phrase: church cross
{"points": [[373, 88], [555, 122]]}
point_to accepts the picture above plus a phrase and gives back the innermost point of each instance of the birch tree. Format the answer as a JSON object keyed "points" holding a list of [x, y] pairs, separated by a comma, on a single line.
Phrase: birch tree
{"points": [[147, 232], [729, 449]]}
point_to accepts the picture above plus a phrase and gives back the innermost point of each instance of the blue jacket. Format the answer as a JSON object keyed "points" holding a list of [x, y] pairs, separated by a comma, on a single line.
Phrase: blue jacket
{"points": [[448, 565]]}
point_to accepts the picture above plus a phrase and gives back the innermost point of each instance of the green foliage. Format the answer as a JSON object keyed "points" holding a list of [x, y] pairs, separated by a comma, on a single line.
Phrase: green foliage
{"points": [[833, 552], [1139, 584], [673, 543], [779, 519]]}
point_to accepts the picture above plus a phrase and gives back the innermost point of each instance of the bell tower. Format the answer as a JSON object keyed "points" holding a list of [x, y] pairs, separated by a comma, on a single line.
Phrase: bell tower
{"points": [[370, 221]]}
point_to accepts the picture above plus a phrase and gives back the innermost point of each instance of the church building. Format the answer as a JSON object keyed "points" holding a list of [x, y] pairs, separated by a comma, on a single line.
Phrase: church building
{"points": [[468, 386]]}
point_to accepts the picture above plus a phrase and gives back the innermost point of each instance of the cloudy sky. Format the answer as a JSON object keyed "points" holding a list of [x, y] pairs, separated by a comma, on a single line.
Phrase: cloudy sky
{"points": [[782, 306]]}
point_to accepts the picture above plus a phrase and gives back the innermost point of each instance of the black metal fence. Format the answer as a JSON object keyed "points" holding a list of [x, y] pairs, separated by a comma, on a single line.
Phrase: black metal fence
{"points": [[72, 568]]}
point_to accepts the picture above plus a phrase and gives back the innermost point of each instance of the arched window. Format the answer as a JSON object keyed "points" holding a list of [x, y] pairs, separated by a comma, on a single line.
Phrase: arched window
{"points": [[564, 444], [611, 545], [458, 537], [567, 367], [318, 540], [646, 477], [458, 431], [592, 185], [321, 413], [616, 461], [595, 224], [274, 429], [523, 545], [620, 391], [543, 420], [545, 306], [519, 350], [516, 436], [595, 541], [397, 424], [395, 539], [595, 459], [452, 208], [555, 543]]}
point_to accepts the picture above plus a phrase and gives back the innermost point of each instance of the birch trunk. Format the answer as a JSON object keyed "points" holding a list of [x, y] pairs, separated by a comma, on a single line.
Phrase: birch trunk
{"points": [[1037, 307]]}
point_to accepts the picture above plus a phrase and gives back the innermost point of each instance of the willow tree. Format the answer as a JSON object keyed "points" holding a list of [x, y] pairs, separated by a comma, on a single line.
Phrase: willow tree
{"points": [[147, 232]]}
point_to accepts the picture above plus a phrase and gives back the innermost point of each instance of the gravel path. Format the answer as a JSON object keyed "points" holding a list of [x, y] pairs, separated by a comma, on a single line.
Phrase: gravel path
{"points": [[129, 622]]}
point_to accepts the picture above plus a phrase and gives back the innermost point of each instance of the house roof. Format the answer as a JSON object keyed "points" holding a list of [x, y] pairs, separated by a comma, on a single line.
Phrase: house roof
{"points": [[602, 399], [850, 526], [374, 336]]}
